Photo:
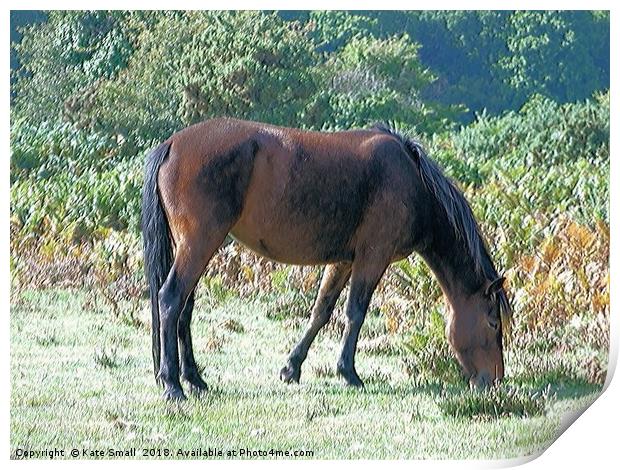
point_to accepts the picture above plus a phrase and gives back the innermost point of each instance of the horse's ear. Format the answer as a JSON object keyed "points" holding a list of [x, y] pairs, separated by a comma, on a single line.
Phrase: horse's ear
{"points": [[414, 151], [493, 287]]}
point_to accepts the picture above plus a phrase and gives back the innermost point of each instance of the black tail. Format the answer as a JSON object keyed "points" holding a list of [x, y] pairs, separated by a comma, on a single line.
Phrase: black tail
{"points": [[156, 238]]}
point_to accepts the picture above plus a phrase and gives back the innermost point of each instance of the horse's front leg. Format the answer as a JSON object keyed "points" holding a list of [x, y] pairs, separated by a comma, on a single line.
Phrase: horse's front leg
{"points": [[334, 279], [364, 279]]}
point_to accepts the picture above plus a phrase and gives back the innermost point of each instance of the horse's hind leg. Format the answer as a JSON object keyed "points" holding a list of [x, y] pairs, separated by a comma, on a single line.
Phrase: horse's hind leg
{"points": [[189, 369], [191, 258], [364, 279], [334, 279]]}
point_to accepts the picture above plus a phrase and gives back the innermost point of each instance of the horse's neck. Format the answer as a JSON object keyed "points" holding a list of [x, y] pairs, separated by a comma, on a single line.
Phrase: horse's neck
{"points": [[452, 265]]}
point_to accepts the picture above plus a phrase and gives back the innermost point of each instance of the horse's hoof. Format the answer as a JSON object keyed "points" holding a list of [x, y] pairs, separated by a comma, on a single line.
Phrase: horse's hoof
{"points": [[351, 378], [197, 386], [354, 382], [174, 394], [290, 374]]}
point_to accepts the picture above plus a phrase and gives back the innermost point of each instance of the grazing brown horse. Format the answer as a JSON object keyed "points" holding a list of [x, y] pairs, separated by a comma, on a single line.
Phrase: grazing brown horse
{"points": [[355, 201]]}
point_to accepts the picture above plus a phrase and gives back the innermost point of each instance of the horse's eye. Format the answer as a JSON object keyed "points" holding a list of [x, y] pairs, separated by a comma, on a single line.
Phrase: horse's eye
{"points": [[493, 324]]}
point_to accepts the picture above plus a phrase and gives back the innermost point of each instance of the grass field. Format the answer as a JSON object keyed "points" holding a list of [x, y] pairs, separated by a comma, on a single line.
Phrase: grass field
{"points": [[82, 378]]}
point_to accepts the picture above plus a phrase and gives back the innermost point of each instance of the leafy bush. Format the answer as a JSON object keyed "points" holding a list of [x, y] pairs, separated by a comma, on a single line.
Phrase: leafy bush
{"points": [[49, 148], [75, 206], [507, 155]]}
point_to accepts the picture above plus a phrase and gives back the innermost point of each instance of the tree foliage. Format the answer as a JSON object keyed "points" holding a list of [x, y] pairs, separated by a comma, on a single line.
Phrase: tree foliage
{"points": [[197, 65], [491, 60], [495, 60], [141, 76], [372, 79], [62, 60]]}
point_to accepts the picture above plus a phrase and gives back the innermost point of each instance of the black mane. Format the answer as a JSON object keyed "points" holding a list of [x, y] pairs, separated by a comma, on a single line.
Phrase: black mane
{"points": [[455, 206]]}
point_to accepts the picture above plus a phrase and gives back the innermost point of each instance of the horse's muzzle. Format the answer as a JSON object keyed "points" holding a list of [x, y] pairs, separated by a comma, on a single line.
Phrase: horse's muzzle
{"points": [[481, 381]]}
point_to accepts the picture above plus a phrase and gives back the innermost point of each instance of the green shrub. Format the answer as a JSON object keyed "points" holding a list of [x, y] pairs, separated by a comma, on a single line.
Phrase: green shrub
{"points": [[46, 149], [73, 207]]}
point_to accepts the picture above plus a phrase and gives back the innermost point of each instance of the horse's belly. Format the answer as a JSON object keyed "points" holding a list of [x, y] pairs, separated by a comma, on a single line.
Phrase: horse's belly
{"points": [[289, 244]]}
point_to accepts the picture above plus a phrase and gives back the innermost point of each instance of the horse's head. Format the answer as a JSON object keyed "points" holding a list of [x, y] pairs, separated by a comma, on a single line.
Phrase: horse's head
{"points": [[474, 331]]}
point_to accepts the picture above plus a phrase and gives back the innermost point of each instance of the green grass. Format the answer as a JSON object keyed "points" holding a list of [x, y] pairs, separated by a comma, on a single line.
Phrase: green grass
{"points": [[81, 378]]}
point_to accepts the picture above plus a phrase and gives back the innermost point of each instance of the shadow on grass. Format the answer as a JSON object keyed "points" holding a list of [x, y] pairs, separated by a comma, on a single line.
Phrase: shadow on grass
{"points": [[562, 385], [520, 397], [228, 392]]}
